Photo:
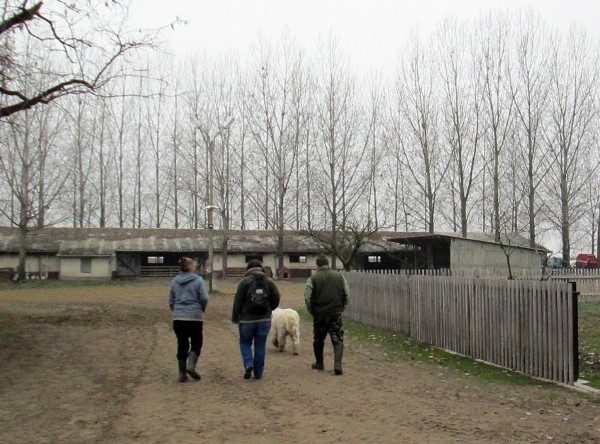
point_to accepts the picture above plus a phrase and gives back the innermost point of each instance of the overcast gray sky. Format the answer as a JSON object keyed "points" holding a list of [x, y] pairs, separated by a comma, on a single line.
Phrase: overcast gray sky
{"points": [[370, 31]]}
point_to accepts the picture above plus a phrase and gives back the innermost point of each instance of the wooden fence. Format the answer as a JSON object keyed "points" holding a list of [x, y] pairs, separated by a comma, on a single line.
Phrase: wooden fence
{"points": [[587, 281], [523, 325], [159, 271]]}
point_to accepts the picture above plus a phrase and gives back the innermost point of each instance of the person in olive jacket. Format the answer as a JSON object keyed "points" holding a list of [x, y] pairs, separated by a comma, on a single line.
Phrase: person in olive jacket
{"points": [[326, 296], [187, 300], [253, 326]]}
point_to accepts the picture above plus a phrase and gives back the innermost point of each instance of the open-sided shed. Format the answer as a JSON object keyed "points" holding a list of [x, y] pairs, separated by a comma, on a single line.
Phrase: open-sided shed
{"points": [[477, 254]]}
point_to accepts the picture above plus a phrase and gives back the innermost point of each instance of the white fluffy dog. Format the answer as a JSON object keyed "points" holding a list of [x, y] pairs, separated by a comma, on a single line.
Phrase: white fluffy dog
{"points": [[285, 322]]}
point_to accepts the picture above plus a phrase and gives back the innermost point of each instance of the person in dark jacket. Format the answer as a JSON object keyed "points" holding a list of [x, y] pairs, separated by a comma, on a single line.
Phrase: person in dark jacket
{"points": [[253, 326], [326, 296], [187, 300]]}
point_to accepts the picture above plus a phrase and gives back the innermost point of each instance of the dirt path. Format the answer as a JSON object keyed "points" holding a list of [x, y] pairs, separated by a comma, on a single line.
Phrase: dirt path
{"points": [[98, 365]]}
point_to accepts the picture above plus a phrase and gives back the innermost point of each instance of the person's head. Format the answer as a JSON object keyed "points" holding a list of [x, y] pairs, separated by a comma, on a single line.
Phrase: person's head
{"points": [[322, 261], [254, 263], [187, 264]]}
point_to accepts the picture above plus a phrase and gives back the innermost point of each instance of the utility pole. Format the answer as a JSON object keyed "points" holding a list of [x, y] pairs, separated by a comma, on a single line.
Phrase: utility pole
{"points": [[210, 143]]}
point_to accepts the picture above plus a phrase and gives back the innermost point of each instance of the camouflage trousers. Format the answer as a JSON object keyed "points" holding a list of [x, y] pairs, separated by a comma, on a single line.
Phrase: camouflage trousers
{"points": [[327, 323]]}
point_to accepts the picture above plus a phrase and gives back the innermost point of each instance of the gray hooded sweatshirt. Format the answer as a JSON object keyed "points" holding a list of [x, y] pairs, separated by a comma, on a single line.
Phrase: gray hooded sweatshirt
{"points": [[188, 297]]}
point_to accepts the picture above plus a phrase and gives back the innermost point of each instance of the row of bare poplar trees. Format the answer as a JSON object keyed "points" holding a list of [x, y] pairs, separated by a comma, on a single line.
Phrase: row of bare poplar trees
{"points": [[491, 125]]}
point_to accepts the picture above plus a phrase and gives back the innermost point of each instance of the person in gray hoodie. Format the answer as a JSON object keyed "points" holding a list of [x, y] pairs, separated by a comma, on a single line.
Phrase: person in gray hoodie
{"points": [[187, 300]]}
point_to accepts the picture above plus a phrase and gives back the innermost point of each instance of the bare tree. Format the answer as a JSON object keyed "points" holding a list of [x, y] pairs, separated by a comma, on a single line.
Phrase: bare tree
{"points": [[398, 189], [175, 136], [570, 135], [346, 244], [121, 126], [592, 216], [140, 140], [417, 127], [196, 78], [493, 58], [461, 99], [64, 30], [529, 90], [279, 114], [342, 143], [376, 104], [81, 159], [31, 170], [223, 94], [103, 156], [156, 125]]}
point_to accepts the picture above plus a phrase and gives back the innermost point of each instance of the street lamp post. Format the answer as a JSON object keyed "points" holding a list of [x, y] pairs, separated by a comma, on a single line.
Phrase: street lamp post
{"points": [[209, 266], [210, 143]]}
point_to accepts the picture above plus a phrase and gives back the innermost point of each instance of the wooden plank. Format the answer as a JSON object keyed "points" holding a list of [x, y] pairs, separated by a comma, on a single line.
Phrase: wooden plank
{"points": [[560, 334], [524, 325]]}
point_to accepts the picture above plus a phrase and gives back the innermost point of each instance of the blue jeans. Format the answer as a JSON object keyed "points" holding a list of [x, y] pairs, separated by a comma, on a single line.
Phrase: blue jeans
{"points": [[256, 332]]}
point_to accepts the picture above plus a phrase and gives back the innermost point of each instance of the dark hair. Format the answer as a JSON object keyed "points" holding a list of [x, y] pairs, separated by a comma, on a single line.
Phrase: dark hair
{"points": [[322, 260], [185, 264], [254, 263]]}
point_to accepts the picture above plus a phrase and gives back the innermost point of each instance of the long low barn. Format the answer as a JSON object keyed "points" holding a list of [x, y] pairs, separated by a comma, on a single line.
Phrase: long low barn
{"points": [[106, 253]]}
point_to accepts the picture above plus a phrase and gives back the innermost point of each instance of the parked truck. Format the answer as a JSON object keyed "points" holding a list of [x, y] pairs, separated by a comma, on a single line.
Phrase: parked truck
{"points": [[585, 260]]}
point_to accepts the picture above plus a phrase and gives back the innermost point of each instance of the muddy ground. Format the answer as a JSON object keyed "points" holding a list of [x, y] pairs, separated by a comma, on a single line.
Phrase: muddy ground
{"points": [[97, 365]]}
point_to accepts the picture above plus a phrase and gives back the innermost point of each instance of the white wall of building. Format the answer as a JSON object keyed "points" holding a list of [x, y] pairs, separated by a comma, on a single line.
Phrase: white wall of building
{"points": [[71, 268], [470, 258], [38, 264]]}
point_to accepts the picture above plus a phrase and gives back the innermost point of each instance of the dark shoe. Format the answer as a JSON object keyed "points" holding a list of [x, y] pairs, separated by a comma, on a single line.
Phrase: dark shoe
{"points": [[191, 365], [248, 372], [318, 366], [182, 376], [338, 372], [257, 377]]}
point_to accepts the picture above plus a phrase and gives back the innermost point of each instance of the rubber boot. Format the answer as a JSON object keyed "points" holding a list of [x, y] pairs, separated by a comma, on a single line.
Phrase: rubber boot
{"points": [[191, 365], [318, 350], [338, 353], [182, 376]]}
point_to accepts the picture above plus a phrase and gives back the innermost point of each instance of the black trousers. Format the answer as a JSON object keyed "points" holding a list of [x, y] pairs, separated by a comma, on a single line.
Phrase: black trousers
{"points": [[189, 337]]}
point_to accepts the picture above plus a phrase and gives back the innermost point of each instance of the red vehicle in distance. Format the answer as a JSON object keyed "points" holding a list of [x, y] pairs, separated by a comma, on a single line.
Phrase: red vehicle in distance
{"points": [[584, 260]]}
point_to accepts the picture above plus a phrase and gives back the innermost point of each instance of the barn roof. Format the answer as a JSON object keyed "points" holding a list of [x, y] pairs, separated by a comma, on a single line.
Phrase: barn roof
{"points": [[106, 241], [508, 239]]}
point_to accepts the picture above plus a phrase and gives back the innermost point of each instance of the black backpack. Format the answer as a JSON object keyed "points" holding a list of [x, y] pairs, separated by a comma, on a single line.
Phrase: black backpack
{"points": [[258, 295]]}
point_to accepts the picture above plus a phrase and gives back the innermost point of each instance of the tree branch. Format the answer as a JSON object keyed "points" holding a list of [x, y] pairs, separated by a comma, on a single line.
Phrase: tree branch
{"points": [[23, 16], [43, 97]]}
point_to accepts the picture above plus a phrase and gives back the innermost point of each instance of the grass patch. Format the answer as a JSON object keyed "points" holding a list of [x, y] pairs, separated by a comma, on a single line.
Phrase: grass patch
{"points": [[56, 283], [8, 331], [396, 347], [589, 342]]}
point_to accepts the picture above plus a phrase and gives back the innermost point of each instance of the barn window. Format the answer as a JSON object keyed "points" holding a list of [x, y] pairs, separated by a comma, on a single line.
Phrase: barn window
{"points": [[156, 259], [374, 259], [86, 265], [297, 259]]}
